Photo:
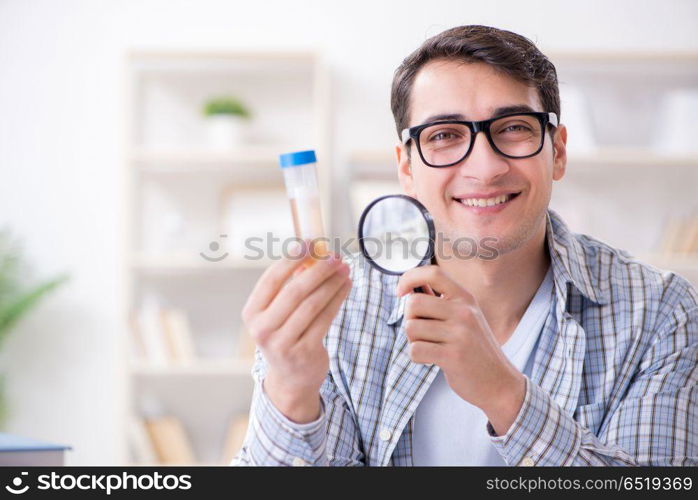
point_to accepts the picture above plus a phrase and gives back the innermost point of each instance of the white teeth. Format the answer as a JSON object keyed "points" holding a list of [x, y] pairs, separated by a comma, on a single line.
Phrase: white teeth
{"points": [[489, 202]]}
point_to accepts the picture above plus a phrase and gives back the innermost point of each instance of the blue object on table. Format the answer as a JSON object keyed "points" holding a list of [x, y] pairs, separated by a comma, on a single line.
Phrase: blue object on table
{"points": [[18, 450]]}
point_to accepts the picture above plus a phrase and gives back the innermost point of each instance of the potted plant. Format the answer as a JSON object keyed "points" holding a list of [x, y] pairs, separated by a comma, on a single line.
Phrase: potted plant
{"points": [[225, 118], [16, 298]]}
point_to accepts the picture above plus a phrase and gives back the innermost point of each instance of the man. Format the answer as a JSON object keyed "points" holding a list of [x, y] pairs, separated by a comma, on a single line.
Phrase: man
{"points": [[559, 351]]}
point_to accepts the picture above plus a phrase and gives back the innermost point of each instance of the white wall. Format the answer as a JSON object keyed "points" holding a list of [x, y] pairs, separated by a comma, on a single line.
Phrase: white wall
{"points": [[61, 138]]}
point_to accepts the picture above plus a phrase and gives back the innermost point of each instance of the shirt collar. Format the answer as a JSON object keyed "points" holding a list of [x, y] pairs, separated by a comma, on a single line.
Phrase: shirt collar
{"points": [[572, 261], [398, 310], [569, 261]]}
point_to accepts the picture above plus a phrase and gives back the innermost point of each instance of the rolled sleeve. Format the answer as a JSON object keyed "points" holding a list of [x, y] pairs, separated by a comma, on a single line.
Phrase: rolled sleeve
{"points": [[540, 434], [653, 425], [543, 435], [280, 441], [273, 439]]}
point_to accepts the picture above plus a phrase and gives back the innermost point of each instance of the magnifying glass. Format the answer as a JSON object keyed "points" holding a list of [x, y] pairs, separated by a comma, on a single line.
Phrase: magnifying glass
{"points": [[396, 234]]}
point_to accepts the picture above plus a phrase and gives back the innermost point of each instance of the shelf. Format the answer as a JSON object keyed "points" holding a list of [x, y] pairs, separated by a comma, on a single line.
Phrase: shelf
{"points": [[380, 165], [202, 367], [631, 157], [676, 56], [191, 263], [170, 170], [373, 164], [256, 155], [249, 165], [190, 62], [669, 66]]}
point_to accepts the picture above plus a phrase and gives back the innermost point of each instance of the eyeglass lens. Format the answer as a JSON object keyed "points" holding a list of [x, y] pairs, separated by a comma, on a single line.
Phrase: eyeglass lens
{"points": [[447, 143]]}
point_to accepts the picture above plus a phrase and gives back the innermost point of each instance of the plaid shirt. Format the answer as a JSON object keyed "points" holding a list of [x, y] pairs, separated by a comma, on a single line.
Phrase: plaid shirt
{"points": [[614, 381]]}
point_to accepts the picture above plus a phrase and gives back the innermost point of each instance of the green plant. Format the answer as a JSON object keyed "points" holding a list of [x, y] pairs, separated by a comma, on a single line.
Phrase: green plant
{"points": [[226, 106], [16, 298]]}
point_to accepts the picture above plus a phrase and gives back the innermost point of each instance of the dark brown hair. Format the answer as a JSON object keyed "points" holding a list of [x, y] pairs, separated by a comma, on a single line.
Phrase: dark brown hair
{"points": [[508, 52]]}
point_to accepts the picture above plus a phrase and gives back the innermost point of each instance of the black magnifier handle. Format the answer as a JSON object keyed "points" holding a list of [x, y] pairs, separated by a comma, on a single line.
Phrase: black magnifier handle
{"points": [[420, 289]]}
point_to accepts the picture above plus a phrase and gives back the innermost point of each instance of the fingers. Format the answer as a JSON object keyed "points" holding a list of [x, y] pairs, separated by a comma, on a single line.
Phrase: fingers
{"points": [[426, 330], [432, 276], [320, 325], [300, 319], [421, 305], [271, 281], [426, 353], [300, 288]]}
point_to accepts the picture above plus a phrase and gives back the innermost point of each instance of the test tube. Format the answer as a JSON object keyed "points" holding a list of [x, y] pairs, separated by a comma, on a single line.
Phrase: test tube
{"points": [[300, 177]]}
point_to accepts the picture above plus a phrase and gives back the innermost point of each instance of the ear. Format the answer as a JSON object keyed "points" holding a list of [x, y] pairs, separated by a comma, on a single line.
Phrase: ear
{"points": [[559, 152], [404, 169]]}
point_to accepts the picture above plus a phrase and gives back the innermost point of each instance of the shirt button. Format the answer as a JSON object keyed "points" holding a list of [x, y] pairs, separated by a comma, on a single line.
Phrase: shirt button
{"points": [[385, 435], [298, 462], [527, 462]]}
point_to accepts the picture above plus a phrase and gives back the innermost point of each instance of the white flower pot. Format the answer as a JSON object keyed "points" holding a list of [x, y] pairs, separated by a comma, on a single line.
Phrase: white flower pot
{"points": [[577, 118], [225, 132], [676, 131]]}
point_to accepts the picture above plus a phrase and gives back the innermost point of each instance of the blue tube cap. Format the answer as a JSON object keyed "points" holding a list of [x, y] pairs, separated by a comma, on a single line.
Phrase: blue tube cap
{"points": [[297, 158]]}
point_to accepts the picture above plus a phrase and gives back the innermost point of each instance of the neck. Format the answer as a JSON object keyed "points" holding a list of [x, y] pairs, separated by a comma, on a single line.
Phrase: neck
{"points": [[504, 287]]}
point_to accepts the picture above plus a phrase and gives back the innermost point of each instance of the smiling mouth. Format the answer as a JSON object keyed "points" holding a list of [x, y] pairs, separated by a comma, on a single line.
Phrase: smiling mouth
{"points": [[489, 202]]}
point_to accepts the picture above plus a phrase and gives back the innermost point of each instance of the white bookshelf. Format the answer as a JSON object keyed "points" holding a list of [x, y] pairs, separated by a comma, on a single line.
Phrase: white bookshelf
{"points": [[628, 186], [186, 263], [226, 367], [620, 186], [249, 165], [632, 157], [175, 185]]}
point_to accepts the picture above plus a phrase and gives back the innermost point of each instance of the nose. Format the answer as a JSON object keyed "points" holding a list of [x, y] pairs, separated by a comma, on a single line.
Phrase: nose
{"points": [[483, 163]]}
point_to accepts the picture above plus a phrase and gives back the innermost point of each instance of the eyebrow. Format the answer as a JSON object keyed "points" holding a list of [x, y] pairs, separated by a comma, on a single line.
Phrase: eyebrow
{"points": [[504, 110]]}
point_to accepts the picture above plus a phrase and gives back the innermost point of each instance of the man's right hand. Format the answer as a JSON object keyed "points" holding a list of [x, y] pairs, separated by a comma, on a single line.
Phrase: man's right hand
{"points": [[288, 324]]}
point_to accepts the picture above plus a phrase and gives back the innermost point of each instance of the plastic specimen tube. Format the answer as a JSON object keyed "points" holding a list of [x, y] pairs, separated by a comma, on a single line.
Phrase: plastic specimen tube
{"points": [[300, 178]]}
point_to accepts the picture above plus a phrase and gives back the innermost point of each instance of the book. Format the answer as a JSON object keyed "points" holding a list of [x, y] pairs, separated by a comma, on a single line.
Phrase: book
{"points": [[162, 336], [138, 350], [689, 243], [671, 237], [170, 440], [19, 451], [140, 444], [680, 236], [177, 335], [149, 329]]}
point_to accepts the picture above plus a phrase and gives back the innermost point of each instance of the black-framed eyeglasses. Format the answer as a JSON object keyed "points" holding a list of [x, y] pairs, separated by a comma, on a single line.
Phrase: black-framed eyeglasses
{"points": [[445, 143]]}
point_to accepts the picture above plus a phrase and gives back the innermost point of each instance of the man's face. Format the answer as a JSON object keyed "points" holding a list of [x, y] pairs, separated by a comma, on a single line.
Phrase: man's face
{"points": [[475, 91]]}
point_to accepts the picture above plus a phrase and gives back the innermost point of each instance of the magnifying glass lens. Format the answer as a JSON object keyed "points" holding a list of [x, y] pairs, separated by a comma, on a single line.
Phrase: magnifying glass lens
{"points": [[396, 233]]}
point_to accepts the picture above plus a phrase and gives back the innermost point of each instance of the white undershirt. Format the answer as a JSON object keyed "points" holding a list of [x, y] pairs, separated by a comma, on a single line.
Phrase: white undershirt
{"points": [[450, 431]]}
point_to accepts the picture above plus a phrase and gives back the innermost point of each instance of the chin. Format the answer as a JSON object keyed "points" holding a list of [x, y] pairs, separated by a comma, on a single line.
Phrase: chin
{"points": [[492, 239]]}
